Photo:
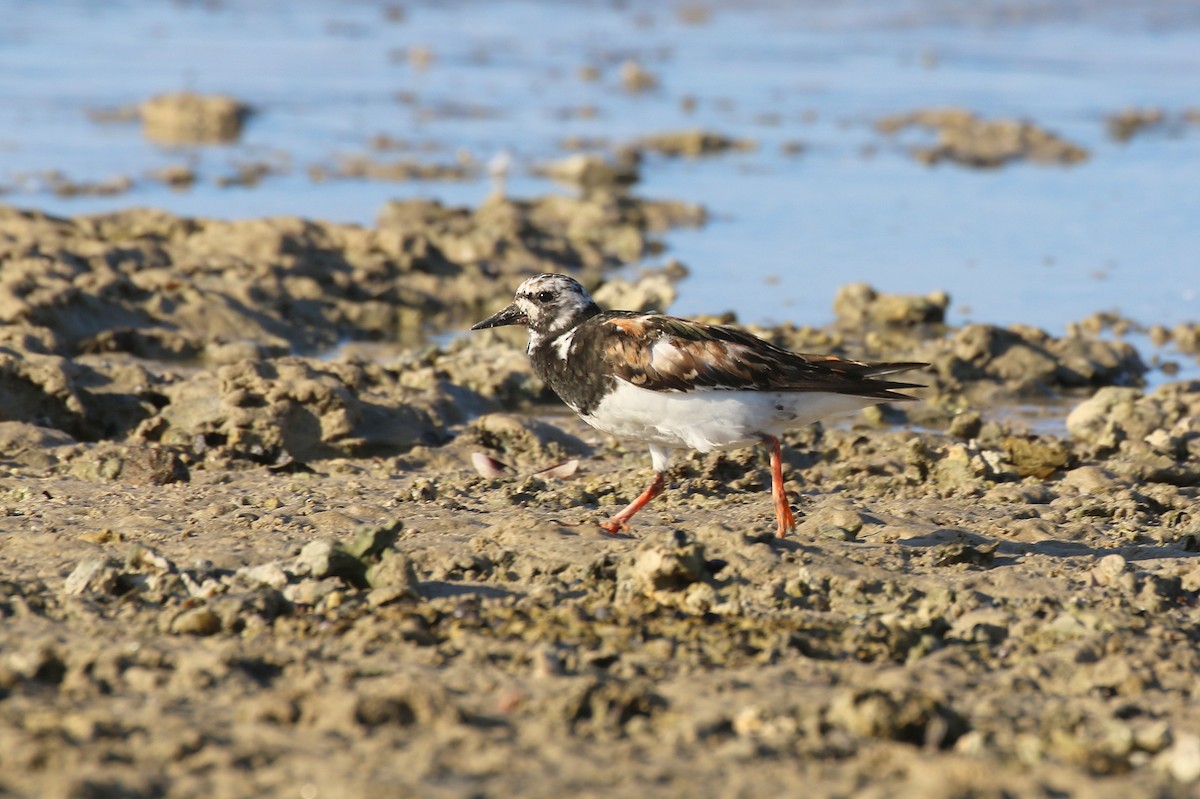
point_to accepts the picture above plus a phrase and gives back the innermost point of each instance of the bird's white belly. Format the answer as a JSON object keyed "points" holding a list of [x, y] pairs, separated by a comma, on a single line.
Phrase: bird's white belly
{"points": [[708, 419]]}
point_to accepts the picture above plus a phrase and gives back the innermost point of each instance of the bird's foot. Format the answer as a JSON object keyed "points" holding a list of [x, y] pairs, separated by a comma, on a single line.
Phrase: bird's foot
{"points": [[614, 526]]}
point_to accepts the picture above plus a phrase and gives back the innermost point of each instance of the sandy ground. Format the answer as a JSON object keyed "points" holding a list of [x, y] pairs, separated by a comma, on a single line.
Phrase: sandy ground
{"points": [[231, 569]]}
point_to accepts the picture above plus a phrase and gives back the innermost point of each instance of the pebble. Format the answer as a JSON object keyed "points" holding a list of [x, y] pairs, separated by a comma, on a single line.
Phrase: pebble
{"points": [[197, 621]]}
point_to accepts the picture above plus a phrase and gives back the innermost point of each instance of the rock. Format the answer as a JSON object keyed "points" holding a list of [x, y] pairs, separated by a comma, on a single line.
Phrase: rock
{"points": [[987, 625], [635, 78], [591, 171], [1091, 480], [1036, 456], [299, 408], [370, 541], [910, 717], [395, 576], [310, 592], [955, 552], [965, 139], [654, 292], [43, 390], [1153, 736], [166, 287], [693, 143], [95, 575], [966, 425], [1095, 420], [182, 118], [322, 559], [269, 574], [197, 621], [367, 167], [837, 521], [134, 465], [858, 303], [30, 445], [238, 610], [1108, 569], [1182, 759], [1124, 125], [662, 568], [964, 465], [1026, 359], [36, 663]]}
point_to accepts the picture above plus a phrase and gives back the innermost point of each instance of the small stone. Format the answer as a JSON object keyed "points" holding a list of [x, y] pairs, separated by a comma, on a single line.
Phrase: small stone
{"points": [[1092, 419], [654, 292], [986, 625], [546, 662], [321, 559], [955, 552], [1090, 480], [1182, 760], [636, 78], [371, 540], [1108, 569], [310, 592], [1153, 737], [590, 171], [839, 522], [662, 569], [270, 574], [197, 621], [1035, 456], [1163, 442], [856, 303], [95, 574], [395, 571], [966, 425]]}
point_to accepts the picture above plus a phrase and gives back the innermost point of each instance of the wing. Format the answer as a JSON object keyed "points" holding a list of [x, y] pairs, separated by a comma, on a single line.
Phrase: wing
{"points": [[663, 353]]}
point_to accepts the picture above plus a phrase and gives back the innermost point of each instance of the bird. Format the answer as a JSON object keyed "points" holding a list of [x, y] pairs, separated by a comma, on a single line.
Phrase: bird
{"points": [[672, 383]]}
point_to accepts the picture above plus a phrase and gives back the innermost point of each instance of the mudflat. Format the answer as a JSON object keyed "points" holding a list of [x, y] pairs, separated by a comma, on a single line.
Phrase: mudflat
{"points": [[242, 557]]}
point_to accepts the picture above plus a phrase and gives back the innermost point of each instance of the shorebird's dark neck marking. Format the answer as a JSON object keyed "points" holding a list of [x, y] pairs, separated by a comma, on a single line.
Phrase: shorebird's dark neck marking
{"points": [[576, 371]]}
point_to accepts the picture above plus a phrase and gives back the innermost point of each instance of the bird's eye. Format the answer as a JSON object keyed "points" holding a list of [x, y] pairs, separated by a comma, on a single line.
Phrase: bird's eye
{"points": [[544, 296]]}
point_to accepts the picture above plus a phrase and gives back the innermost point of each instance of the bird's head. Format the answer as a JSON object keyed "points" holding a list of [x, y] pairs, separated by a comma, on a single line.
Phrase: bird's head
{"points": [[546, 304]]}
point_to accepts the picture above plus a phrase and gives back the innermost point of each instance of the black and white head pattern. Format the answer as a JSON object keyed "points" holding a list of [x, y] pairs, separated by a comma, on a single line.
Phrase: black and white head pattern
{"points": [[552, 304]]}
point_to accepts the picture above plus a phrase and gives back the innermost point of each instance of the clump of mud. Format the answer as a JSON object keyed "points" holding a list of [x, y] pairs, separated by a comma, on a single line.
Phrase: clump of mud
{"points": [[182, 118], [1124, 125], [693, 144], [965, 139], [858, 303], [637, 79], [366, 167], [592, 171], [165, 287]]}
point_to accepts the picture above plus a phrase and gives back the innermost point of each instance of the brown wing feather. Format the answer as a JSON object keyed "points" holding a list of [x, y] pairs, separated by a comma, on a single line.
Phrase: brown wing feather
{"points": [[662, 353]]}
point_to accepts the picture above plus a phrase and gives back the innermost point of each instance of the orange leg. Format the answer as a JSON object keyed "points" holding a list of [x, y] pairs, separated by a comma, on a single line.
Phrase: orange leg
{"points": [[618, 522], [785, 521]]}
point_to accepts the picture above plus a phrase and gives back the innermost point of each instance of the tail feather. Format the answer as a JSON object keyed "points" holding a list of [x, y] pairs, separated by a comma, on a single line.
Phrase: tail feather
{"points": [[880, 369], [887, 389]]}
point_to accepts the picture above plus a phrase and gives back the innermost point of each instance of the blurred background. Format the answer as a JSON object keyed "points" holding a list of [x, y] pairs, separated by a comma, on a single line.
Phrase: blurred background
{"points": [[838, 162]]}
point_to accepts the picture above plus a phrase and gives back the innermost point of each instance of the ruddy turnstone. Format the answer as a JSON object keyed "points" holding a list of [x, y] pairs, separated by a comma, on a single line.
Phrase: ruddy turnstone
{"points": [[671, 383]]}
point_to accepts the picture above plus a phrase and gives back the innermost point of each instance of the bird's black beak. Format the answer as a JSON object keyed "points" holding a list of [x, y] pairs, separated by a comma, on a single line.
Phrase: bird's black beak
{"points": [[512, 315]]}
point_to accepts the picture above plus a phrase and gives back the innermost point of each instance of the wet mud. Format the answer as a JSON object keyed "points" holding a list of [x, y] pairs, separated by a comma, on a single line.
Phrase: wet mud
{"points": [[245, 553]]}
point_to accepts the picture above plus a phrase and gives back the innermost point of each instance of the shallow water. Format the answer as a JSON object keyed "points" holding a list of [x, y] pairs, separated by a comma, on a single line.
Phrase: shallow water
{"points": [[1026, 243]]}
